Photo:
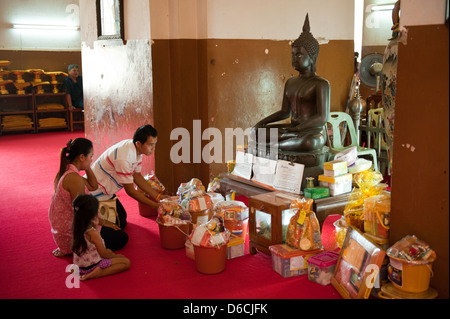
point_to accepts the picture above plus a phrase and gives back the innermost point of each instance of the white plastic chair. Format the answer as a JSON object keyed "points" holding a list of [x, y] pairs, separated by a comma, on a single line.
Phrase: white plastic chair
{"points": [[336, 146]]}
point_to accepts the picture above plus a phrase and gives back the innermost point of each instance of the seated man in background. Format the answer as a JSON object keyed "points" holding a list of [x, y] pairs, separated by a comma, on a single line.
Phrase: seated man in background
{"points": [[73, 85]]}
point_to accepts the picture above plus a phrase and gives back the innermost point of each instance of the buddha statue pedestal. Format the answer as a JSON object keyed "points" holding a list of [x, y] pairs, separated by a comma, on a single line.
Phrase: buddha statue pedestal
{"points": [[313, 160]]}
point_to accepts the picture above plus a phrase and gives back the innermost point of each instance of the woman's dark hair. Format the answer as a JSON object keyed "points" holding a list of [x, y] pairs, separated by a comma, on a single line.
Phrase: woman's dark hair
{"points": [[70, 152], [85, 208], [143, 133]]}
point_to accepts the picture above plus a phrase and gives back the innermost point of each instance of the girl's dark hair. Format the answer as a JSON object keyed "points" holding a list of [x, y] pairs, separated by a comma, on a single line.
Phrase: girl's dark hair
{"points": [[85, 208], [70, 152], [143, 133]]}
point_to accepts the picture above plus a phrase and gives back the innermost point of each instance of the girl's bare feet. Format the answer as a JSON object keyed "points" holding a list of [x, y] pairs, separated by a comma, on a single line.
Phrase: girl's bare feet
{"points": [[58, 253], [93, 274]]}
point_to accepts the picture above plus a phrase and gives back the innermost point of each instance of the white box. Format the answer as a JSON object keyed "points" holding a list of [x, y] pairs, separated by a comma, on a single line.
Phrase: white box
{"points": [[339, 188], [235, 247], [335, 172]]}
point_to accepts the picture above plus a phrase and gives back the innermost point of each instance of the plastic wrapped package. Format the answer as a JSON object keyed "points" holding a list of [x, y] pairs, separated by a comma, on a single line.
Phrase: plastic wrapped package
{"points": [[377, 211], [214, 185], [154, 183], [369, 185], [304, 228], [215, 198], [211, 234], [235, 215], [171, 213], [410, 264], [194, 199], [193, 188], [412, 249], [231, 209], [197, 204], [340, 227]]}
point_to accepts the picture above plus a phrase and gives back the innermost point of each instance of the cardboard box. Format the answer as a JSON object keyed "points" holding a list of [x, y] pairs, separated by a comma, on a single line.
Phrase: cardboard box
{"points": [[235, 247], [290, 262]]}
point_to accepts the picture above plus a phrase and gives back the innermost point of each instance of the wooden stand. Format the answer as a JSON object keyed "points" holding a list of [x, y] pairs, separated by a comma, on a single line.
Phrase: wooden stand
{"points": [[322, 206]]}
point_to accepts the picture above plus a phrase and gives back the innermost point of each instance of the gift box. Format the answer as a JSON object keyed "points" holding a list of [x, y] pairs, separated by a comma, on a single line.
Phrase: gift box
{"points": [[290, 262], [235, 247], [321, 267]]}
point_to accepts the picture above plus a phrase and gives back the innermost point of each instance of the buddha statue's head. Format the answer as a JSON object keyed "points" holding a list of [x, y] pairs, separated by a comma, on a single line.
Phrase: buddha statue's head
{"points": [[307, 41]]}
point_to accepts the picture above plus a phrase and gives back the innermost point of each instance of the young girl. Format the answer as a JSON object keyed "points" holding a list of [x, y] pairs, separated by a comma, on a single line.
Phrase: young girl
{"points": [[90, 254], [68, 183]]}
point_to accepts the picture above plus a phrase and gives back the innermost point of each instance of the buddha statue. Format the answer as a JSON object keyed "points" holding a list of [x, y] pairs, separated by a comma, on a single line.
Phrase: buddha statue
{"points": [[306, 100]]}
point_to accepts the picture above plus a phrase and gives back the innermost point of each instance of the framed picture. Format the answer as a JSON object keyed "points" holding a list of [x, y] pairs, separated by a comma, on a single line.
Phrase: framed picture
{"points": [[358, 266], [110, 19]]}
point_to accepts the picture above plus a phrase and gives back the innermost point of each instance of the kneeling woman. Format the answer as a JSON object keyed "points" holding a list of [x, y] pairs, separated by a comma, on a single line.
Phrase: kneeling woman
{"points": [[68, 184]]}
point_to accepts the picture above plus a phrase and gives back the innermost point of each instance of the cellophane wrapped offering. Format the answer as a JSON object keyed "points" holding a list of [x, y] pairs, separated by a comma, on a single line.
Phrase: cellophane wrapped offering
{"points": [[214, 185], [231, 209], [369, 185], [412, 249], [340, 227], [304, 229], [171, 213], [211, 234], [193, 197], [377, 211], [154, 183], [193, 188]]}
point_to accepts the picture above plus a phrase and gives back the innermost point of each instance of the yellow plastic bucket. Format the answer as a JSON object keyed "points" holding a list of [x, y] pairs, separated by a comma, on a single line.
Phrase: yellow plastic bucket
{"points": [[410, 276]]}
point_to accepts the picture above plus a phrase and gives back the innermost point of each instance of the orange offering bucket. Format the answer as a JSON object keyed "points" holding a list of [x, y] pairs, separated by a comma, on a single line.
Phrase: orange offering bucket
{"points": [[173, 236], [237, 227], [410, 276], [210, 260], [145, 210]]}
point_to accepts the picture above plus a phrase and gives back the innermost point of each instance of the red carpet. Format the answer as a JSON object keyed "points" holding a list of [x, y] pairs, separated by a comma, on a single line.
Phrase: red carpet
{"points": [[28, 164]]}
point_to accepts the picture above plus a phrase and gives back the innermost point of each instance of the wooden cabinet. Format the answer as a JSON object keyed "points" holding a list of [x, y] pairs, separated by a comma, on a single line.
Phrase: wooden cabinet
{"points": [[17, 113], [33, 112], [51, 111], [266, 220]]}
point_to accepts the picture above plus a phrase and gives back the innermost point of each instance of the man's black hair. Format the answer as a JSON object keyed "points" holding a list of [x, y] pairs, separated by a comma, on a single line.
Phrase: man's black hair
{"points": [[143, 133]]}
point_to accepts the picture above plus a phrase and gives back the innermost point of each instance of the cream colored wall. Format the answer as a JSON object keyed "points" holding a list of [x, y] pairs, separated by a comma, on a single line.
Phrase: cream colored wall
{"points": [[419, 12], [250, 19], [137, 25]]}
